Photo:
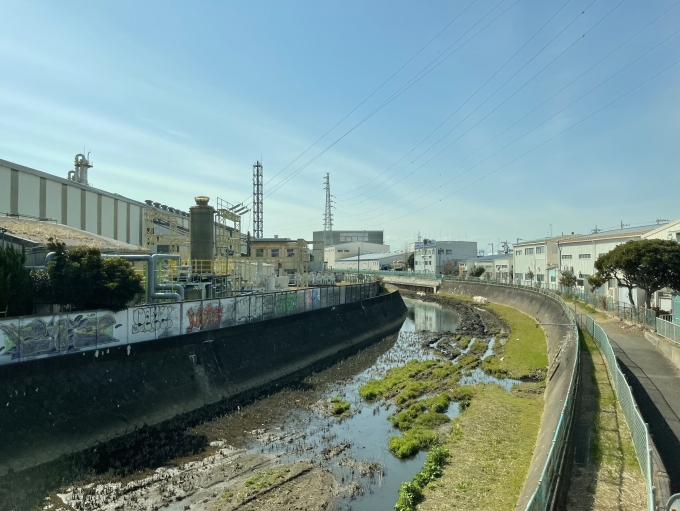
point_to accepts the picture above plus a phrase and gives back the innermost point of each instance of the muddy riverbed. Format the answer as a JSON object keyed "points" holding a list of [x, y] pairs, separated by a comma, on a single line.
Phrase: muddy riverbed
{"points": [[289, 450]]}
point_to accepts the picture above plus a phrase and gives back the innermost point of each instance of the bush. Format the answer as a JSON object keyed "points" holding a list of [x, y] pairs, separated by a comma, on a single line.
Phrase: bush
{"points": [[16, 293]]}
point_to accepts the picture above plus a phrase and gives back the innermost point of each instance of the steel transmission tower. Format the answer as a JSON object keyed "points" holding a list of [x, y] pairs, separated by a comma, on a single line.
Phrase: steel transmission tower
{"points": [[328, 215], [258, 214]]}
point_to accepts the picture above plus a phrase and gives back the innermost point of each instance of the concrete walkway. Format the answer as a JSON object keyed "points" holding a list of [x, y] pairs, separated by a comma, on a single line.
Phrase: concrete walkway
{"points": [[656, 388]]}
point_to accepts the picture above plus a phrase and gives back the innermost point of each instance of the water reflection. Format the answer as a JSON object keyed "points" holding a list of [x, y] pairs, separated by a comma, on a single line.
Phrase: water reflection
{"points": [[431, 316]]}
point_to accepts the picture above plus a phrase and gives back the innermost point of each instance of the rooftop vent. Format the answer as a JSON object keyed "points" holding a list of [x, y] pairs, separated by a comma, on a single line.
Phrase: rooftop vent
{"points": [[202, 200]]}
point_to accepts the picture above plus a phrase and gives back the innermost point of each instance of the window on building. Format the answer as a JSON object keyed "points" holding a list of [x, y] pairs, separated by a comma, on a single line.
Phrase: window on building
{"points": [[566, 256], [162, 249], [449, 252], [440, 251], [540, 250], [528, 277], [518, 276], [528, 251], [518, 252], [584, 256], [552, 278], [585, 275], [275, 252], [290, 252], [540, 277], [259, 252], [504, 266]]}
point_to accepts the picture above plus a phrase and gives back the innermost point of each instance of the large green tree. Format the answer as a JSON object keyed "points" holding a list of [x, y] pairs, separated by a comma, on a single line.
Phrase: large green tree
{"points": [[15, 282], [650, 265], [477, 271], [80, 279]]}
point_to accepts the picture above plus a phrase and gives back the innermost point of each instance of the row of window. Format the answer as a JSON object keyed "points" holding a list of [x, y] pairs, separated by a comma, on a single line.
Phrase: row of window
{"points": [[531, 251], [274, 252], [448, 251]]}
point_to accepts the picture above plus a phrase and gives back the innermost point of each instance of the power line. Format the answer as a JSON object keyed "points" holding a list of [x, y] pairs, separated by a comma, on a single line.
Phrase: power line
{"points": [[372, 93], [541, 144], [465, 102], [500, 104], [409, 84]]}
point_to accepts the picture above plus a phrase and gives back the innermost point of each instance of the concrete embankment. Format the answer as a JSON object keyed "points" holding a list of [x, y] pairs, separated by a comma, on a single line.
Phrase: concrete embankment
{"points": [[104, 407], [561, 346]]}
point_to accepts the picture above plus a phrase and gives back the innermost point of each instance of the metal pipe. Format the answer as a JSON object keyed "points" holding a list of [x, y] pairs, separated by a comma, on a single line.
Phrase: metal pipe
{"points": [[171, 287], [166, 296]]}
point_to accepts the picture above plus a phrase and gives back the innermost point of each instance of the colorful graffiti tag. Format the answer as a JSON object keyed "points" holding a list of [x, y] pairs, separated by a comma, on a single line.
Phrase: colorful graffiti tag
{"points": [[152, 319], [61, 334], [204, 318]]}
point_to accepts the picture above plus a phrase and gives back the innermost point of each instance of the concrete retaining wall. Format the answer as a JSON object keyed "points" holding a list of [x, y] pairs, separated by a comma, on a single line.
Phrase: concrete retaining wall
{"points": [[62, 405], [670, 349]]}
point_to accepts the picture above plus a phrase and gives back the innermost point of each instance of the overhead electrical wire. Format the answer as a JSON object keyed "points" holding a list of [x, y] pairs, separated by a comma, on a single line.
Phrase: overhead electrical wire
{"points": [[470, 97], [499, 105], [409, 84], [372, 93], [541, 144]]}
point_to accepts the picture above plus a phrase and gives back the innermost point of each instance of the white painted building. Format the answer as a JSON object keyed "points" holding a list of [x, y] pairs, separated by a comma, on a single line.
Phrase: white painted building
{"points": [[345, 250], [430, 256], [369, 261], [533, 260], [579, 255], [496, 266], [669, 231]]}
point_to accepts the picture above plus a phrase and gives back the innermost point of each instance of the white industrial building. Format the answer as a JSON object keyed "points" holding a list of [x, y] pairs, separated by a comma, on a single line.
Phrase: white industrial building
{"points": [[538, 260], [668, 231], [496, 266], [363, 261], [344, 250], [430, 256]]}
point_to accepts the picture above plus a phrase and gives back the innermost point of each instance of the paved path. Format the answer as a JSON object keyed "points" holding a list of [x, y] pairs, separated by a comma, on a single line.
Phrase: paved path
{"points": [[656, 386]]}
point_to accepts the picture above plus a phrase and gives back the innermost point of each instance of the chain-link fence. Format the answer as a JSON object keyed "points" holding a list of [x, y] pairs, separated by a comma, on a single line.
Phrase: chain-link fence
{"points": [[668, 330], [624, 394], [542, 497]]}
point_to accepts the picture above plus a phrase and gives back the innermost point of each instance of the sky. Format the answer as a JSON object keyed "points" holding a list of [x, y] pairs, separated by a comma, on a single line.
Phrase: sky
{"points": [[479, 120]]}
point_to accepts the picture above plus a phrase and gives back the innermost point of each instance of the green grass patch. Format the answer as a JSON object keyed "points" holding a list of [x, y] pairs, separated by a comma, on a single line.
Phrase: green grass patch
{"points": [[468, 361], [425, 413], [492, 365], [266, 479], [463, 342], [524, 354], [478, 347], [493, 442], [412, 441], [338, 407], [411, 381], [410, 493]]}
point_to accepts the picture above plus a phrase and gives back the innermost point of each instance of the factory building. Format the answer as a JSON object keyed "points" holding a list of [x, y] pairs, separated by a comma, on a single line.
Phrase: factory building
{"points": [[381, 261], [288, 256], [344, 250], [431, 256], [339, 237]]}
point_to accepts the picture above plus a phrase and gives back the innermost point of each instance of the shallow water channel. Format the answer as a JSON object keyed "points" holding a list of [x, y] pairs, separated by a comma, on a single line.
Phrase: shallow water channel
{"points": [[290, 423]]}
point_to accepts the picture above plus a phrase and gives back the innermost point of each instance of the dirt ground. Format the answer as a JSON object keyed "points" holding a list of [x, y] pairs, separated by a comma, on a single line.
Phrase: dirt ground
{"points": [[226, 481]]}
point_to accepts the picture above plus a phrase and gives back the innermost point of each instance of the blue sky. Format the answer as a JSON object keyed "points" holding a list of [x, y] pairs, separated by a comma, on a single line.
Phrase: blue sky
{"points": [[179, 99]]}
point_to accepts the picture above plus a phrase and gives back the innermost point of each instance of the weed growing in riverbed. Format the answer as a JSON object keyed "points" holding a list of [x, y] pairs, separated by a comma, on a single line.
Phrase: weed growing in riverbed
{"points": [[414, 440], [425, 413], [266, 479], [338, 406], [464, 341], [410, 493], [411, 381], [479, 347]]}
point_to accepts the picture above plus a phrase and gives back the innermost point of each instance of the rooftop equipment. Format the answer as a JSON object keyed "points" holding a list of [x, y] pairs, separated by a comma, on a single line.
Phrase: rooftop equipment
{"points": [[202, 226]]}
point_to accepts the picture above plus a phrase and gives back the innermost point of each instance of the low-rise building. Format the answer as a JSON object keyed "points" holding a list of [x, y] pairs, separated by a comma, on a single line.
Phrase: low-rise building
{"points": [[363, 261], [578, 255], [496, 266], [344, 250], [431, 256], [533, 260], [668, 231], [288, 256]]}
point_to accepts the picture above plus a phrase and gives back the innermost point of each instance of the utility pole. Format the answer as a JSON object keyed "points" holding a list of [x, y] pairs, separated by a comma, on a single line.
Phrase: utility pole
{"points": [[258, 213], [328, 215]]}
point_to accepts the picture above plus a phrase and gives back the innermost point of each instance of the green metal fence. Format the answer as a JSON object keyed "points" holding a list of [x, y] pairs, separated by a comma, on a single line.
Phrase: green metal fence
{"points": [[542, 497], [668, 330], [638, 429]]}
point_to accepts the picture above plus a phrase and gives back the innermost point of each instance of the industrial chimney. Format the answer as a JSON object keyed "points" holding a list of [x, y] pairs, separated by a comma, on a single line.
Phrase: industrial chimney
{"points": [[202, 224]]}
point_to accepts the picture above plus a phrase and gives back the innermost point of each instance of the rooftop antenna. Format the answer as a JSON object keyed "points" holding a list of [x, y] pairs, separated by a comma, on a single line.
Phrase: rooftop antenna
{"points": [[659, 220], [596, 230]]}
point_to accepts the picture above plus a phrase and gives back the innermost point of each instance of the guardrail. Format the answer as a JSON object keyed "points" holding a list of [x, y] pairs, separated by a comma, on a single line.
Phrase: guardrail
{"points": [[542, 497], [669, 330], [637, 426], [29, 337]]}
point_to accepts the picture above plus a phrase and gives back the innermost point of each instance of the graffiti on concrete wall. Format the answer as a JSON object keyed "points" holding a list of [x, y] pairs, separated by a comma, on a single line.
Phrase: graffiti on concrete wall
{"points": [[286, 303], [157, 318], [204, 317], [56, 334]]}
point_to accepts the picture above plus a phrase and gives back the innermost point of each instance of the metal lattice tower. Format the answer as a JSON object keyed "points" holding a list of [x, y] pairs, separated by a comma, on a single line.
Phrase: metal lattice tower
{"points": [[258, 214], [328, 215]]}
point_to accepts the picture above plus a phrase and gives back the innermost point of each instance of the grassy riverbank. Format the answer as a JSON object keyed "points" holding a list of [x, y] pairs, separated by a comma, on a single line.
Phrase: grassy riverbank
{"points": [[492, 442]]}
